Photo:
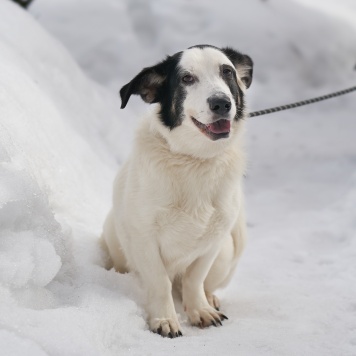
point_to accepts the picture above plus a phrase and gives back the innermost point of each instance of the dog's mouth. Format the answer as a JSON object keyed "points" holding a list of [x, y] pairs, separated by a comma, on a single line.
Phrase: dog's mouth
{"points": [[216, 130]]}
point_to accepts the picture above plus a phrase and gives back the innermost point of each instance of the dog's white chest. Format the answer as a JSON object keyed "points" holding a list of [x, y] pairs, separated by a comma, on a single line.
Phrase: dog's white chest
{"points": [[188, 231]]}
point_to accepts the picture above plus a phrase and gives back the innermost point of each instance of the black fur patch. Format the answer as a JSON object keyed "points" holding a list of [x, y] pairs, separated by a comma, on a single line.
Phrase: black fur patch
{"points": [[240, 61], [159, 84], [149, 81], [202, 46], [244, 65], [172, 95], [240, 105], [235, 90]]}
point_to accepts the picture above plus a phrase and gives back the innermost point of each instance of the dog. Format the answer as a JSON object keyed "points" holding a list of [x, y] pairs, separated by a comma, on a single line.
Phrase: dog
{"points": [[178, 210]]}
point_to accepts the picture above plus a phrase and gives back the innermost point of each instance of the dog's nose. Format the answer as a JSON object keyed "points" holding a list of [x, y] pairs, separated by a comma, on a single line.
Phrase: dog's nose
{"points": [[219, 104]]}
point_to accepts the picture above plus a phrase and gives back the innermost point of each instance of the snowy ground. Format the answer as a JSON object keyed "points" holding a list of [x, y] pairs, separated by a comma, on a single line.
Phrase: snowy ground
{"points": [[63, 137]]}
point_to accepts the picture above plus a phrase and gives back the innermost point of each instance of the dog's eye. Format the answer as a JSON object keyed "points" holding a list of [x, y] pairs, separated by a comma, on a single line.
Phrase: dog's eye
{"points": [[227, 72], [189, 79]]}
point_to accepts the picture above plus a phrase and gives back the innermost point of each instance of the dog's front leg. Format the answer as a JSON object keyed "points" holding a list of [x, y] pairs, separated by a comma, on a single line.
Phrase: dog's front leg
{"points": [[199, 312], [162, 317]]}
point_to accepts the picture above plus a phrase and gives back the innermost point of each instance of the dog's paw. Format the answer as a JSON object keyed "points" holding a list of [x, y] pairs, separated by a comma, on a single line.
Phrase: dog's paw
{"points": [[165, 327], [205, 317], [213, 301]]}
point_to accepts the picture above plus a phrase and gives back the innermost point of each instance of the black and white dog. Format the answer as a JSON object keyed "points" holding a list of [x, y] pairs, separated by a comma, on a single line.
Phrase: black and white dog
{"points": [[178, 212]]}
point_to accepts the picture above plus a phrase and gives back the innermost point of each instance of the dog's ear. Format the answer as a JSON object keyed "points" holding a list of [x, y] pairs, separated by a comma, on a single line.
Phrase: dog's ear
{"points": [[147, 83], [243, 64]]}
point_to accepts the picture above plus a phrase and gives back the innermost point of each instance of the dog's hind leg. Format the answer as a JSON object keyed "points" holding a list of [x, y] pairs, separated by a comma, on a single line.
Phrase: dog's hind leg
{"points": [[111, 245]]}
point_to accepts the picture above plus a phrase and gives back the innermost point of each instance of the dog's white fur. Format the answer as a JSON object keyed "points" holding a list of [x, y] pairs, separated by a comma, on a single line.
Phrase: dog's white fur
{"points": [[178, 212]]}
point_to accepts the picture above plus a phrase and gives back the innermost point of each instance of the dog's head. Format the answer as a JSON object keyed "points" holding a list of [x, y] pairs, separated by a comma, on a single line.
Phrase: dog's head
{"points": [[201, 96]]}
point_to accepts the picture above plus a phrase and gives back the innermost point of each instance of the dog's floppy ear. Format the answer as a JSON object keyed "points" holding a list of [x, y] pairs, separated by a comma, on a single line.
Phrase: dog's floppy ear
{"points": [[147, 83], [243, 64]]}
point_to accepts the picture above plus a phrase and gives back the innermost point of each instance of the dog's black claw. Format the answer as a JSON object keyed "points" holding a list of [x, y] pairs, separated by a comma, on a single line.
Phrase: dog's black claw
{"points": [[224, 317], [170, 335]]}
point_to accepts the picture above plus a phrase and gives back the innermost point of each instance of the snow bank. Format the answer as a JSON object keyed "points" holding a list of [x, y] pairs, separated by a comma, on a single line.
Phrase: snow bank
{"points": [[62, 138], [55, 184], [44, 166]]}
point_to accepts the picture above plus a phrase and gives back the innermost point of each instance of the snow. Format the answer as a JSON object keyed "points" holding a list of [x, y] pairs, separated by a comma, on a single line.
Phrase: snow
{"points": [[63, 137], [343, 10]]}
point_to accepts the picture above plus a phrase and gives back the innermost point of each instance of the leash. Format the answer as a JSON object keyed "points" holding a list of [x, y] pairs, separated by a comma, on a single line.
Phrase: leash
{"points": [[302, 103]]}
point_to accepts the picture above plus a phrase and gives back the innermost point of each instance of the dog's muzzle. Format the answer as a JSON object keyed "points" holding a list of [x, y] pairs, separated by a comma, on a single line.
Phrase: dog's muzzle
{"points": [[215, 130]]}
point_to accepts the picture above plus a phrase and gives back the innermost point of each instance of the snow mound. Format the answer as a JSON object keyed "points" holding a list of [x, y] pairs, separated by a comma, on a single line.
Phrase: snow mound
{"points": [[16, 346], [39, 261], [56, 169], [31, 240]]}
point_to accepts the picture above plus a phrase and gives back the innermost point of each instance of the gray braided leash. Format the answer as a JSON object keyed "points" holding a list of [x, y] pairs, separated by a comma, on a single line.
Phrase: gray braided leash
{"points": [[302, 103]]}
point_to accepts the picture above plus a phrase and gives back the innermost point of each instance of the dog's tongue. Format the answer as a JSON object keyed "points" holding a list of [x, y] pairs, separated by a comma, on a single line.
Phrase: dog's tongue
{"points": [[221, 126]]}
